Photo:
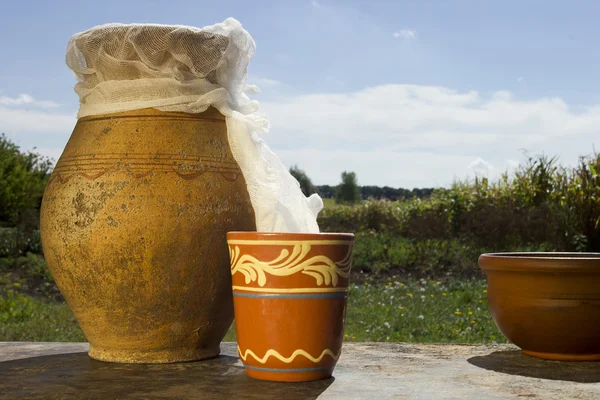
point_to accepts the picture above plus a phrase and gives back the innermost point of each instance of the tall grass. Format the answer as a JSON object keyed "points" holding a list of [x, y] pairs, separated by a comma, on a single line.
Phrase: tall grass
{"points": [[540, 207]]}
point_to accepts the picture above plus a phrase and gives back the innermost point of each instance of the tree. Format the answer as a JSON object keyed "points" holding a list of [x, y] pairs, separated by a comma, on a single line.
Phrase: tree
{"points": [[306, 184], [326, 191], [23, 178], [348, 191], [371, 192]]}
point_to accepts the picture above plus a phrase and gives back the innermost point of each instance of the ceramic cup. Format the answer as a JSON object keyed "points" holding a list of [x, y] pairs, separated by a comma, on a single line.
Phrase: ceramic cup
{"points": [[289, 295]]}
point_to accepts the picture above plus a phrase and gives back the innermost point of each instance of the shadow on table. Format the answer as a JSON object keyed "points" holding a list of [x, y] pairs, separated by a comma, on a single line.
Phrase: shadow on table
{"points": [[76, 375], [517, 363]]}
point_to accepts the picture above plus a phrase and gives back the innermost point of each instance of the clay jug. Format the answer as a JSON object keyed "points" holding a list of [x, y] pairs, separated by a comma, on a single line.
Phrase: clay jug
{"points": [[133, 223]]}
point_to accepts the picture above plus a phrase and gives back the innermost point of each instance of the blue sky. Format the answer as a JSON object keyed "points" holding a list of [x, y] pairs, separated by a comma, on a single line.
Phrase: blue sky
{"points": [[405, 93]]}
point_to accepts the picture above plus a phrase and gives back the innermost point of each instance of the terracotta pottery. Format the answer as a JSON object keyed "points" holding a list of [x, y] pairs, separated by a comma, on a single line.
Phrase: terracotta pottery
{"points": [[290, 292], [134, 222], [548, 304]]}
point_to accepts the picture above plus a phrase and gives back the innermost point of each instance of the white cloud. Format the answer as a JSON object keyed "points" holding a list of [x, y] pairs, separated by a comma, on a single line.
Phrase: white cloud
{"points": [[405, 135], [520, 79], [264, 82], [29, 122], [315, 4], [382, 167], [405, 34], [480, 165], [16, 121], [22, 120], [511, 164], [396, 134], [26, 100]]}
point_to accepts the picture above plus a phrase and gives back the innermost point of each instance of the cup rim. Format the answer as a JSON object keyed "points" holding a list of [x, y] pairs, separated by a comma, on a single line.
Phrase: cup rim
{"points": [[258, 236]]}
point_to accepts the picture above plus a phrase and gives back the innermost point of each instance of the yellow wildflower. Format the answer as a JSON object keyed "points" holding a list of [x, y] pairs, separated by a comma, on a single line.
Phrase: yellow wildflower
{"points": [[346, 336], [484, 290], [444, 294], [409, 294], [401, 307], [457, 313], [470, 313], [473, 321]]}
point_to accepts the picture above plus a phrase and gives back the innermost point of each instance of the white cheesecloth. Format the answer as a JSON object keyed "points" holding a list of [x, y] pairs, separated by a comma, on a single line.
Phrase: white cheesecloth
{"points": [[180, 68]]}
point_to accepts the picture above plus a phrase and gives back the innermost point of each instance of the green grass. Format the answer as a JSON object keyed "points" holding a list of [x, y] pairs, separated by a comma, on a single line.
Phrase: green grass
{"points": [[26, 318], [390, 311], [330, 203], [420, 311], [327, 203]]}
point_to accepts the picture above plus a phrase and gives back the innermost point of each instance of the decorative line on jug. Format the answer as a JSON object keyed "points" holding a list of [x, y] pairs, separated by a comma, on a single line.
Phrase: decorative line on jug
{"points": [[274, 353], [153, 117], [65, 179], [142, 156], [322, 268], [92, 167]]}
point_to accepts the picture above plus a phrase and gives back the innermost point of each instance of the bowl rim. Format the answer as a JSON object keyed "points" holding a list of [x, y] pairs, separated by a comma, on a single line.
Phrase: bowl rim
{"points": [[574, 262]]}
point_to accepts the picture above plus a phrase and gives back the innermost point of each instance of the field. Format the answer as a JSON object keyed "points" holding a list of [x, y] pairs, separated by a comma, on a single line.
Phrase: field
{"points": [[392, 310], [415, 274], [27, 318]]}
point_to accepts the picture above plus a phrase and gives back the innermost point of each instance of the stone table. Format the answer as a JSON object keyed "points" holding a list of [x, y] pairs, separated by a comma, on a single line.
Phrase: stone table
{"points": [[365, 371]]}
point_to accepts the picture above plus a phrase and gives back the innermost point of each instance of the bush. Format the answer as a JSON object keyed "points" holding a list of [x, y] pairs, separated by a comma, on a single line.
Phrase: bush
{"points": [[371, 215], [23, 177], [15, 242], [34, 266], [542, 207], [30, 274], [9, 242]]}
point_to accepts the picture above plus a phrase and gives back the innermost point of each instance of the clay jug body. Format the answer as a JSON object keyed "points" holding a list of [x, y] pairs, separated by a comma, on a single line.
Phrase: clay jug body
{"points": [[133, 223]]}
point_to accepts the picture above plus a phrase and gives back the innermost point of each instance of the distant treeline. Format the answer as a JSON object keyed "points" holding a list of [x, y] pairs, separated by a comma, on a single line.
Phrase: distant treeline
{"points": [[378, 193]]}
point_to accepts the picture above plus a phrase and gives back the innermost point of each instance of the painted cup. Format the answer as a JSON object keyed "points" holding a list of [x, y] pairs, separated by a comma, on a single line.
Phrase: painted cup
{"points": [[290, 292]]}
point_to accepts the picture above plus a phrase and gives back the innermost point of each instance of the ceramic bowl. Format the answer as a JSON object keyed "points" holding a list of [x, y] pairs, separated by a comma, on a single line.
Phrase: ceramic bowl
{"points": [[289, 295], [548, 304]]}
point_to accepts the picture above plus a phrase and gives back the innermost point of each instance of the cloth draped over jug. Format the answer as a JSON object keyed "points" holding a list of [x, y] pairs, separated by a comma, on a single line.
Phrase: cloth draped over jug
{"points": [[186, 69]]}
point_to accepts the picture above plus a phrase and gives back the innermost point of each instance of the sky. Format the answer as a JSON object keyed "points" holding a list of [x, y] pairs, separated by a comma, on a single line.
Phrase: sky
{"points": [[404, 93]]}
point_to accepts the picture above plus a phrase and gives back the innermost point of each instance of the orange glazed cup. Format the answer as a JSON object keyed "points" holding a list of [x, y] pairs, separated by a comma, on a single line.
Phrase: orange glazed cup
{"points": [[289, 297]]}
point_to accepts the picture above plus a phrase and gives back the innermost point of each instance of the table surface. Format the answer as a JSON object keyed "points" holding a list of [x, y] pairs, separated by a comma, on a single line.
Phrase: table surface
{"points": [[365, 371]]}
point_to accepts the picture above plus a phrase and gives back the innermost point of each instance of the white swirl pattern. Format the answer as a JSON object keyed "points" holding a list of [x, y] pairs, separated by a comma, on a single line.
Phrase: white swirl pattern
{"points": [[322, 268]]}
